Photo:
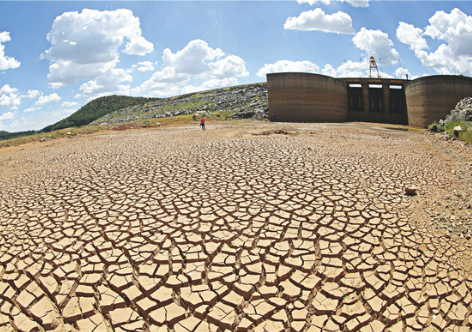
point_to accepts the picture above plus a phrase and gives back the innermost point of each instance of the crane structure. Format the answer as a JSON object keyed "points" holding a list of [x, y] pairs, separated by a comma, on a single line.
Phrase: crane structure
{"points": [[373, 65]]}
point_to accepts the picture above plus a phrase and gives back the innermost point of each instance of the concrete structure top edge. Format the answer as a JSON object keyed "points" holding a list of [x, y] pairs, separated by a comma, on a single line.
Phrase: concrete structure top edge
{"points": [[353, 80], [374, 79], [287, 73], [442, 76], [348, 80], [295, 72]]}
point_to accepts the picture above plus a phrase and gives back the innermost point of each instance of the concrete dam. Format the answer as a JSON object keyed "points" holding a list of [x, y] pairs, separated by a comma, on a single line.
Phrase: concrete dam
{"points": [[306, 97]]}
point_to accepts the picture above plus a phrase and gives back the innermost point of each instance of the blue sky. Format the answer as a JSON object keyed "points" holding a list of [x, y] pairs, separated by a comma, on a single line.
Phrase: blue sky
{"points": [[55, 56]]}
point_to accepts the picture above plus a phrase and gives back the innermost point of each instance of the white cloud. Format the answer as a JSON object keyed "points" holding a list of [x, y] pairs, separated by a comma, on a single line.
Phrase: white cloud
{"points": [[408, 34], [167, 75], [139, 46], [348, 69], [193, 59], [62, 113], [377, 44], [6, 62], [452, 57], [196, 60], [86, 45], [31, 109], [288, 66], [354, 3], [7, 89], [52, 98], [160, 90], [69, 104], [211, 84], [109, 84], [231, 66], [402, 73], [21, 124], [9, 97], [32, 94], [384, 75], [352, 69], [12, 101], [329, 70], [163, 83], [7, 116], [445, 61], [318, 20], [144, 66], [358, 3], [455, 28]]}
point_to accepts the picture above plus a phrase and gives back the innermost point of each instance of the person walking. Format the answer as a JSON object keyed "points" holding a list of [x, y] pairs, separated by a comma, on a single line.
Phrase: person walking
{"points": [[202, 123]]}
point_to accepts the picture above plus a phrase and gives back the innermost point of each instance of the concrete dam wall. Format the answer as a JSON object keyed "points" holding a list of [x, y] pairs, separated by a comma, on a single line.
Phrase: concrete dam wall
{"points": [[306, 97], [431, 98], [301, 97]]}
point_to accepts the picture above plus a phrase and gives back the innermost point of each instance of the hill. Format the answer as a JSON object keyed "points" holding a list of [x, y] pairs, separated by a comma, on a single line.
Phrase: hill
{"points": [[242, 101], [7, 135], [96, 109]]}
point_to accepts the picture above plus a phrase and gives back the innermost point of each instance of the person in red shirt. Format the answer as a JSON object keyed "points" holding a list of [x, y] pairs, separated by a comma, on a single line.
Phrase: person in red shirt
{"points": [[202, 123]]}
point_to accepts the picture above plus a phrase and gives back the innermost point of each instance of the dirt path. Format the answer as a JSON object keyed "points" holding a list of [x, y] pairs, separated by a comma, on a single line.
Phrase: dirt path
{"points": [[264, 227]]}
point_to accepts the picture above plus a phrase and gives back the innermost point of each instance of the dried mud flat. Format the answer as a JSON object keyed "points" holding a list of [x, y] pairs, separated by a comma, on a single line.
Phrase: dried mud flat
{"points": [[263, 227]]}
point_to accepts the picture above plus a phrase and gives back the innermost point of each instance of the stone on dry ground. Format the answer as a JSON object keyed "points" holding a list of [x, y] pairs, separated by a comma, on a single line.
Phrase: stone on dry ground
{"points": [[221, 230]]}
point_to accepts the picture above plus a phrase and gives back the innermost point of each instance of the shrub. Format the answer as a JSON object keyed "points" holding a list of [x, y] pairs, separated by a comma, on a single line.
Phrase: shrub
{"points": [[465, 135]]}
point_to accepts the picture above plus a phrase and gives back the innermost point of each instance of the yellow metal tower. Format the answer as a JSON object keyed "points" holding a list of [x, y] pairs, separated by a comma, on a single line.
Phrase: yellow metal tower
{"points": [[373, 65]]}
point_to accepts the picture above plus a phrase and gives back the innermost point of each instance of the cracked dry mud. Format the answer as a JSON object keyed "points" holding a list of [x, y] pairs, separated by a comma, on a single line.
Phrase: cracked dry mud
{"points": [[181, 230]]}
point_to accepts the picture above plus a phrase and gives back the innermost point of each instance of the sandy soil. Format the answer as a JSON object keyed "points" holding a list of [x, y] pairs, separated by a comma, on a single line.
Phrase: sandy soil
{"points": [[256, 226]]}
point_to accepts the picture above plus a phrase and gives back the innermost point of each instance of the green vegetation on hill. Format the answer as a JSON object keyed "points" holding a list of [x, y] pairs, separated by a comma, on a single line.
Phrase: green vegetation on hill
{"points": [[6, 135], [241, 101], [96, 109]]}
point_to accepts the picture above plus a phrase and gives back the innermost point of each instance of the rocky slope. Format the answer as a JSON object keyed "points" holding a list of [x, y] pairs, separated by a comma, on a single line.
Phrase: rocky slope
{"points": [[462, 112], [244, 101], [95, 109]]}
